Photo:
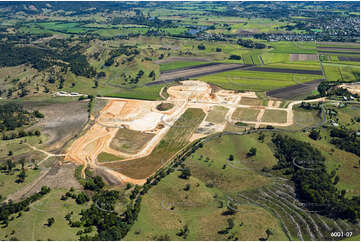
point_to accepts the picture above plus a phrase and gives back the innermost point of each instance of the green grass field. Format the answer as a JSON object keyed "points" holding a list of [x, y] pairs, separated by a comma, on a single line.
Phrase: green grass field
{"points": [[255, 80], [168, 207], [31, 225], [179, 64], [106, 157], [8, 184]]}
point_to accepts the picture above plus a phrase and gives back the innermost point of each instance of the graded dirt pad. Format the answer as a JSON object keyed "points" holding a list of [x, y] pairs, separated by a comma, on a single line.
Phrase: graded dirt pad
{"points": [[62, 121], [302, 57], [250, 101], [177, 137], [245, 114], [130, 141], [194, 72], [284, 70], [217, 114], [349, 58], [181, 58], [274, 116], [295, 90]]}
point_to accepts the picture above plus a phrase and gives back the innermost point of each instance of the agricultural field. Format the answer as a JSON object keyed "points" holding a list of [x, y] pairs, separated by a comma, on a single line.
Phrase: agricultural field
{"points": [[256, 80]]}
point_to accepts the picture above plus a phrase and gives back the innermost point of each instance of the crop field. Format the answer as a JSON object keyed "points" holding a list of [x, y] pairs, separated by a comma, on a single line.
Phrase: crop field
{"points": [[195, 72], [176, 138], [295, 91], [288, 47], [255, 80], [270, 68], [341, 72], [130, 141]]}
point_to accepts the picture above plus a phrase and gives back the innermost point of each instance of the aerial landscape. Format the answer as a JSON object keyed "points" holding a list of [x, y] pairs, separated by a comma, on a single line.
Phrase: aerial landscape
{"points": [[207, 121]]}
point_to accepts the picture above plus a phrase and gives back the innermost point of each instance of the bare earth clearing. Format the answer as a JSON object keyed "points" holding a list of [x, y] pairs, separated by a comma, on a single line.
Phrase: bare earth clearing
{"points": [[143, 117]]}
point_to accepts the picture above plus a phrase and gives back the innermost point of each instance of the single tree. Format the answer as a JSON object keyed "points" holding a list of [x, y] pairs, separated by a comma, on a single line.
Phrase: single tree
{"points": [[252, 152]]}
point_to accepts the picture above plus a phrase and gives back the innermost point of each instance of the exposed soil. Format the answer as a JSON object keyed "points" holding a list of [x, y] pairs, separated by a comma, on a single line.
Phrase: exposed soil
{"points": [[349, 58], [285, 70], [295, 90], [142, 118], [302, 57], [61, 122]]}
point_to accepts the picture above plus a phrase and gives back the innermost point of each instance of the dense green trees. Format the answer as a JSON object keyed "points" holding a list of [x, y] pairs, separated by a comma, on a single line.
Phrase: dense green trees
{"points": [[313, 184], [250, 44], [345, 139]]}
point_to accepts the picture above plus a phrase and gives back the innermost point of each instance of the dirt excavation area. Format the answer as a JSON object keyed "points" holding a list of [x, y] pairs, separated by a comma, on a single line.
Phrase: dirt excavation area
{"points": [[128, 129], [353, 88]]}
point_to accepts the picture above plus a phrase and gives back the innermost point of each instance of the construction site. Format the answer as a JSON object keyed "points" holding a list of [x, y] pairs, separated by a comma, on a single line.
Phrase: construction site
{"points": [[146, 124]]}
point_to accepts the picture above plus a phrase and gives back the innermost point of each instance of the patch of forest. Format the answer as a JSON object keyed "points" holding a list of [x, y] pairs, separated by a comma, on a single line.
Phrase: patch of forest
{"points": [[307, 169]]}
